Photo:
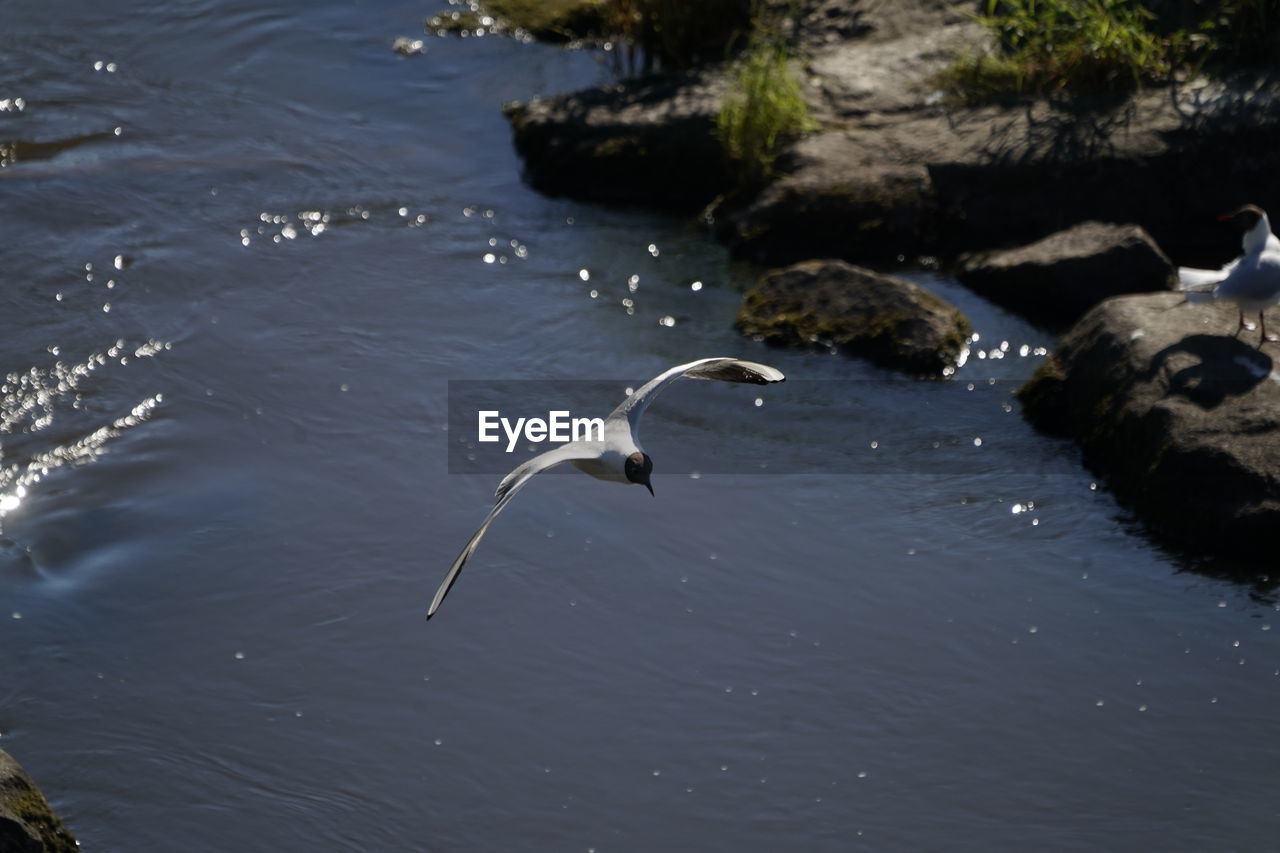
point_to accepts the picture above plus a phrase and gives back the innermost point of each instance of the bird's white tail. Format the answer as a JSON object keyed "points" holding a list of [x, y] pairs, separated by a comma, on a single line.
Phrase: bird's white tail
{"points": [[1198, 285]]}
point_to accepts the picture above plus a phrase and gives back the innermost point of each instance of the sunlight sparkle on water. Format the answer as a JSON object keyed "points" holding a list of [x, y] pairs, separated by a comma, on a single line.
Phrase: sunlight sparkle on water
{"points": [[31, 402]]}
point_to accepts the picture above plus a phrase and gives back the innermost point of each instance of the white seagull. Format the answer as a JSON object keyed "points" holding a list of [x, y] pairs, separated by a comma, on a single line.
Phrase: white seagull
{"points": [[618, 457], [1251, 281]]}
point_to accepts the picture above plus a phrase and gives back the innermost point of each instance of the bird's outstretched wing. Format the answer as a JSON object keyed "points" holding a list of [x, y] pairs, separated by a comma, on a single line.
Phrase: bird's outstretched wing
{"points": [[507, 489], [723, 369]]}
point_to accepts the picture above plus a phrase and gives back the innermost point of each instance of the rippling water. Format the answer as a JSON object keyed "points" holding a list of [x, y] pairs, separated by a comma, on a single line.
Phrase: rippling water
{"points": [[246, 248]]}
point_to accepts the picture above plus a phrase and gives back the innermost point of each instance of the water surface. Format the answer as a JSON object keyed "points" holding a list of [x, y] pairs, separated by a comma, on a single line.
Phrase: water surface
{"points": [[246, 249]]}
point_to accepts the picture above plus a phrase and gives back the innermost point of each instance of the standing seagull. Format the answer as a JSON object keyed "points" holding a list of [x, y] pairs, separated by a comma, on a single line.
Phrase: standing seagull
{"points": [[1251, 281], [618, 457]]}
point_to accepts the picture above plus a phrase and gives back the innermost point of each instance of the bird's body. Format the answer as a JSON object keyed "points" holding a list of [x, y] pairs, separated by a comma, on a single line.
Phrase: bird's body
{"points": [[1251, 281], [617, 457]]}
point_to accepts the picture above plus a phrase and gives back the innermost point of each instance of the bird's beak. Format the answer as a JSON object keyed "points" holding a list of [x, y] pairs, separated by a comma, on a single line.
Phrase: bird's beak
{"points": [[649, 487]]}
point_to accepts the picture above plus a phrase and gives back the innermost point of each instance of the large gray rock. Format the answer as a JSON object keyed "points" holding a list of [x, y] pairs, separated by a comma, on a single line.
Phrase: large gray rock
{"points": [[841, 200], [1059, 278], [649, 141], [1182, 418], [831, 303], [27, 823]]}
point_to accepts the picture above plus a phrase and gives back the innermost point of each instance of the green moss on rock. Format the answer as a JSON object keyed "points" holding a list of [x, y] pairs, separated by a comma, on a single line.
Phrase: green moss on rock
{"points": [[26, 820], [1042, 397], [834, 304]]}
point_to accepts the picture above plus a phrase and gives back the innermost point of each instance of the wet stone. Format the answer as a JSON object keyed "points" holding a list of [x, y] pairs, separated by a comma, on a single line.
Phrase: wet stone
{"points": [[830, 303]]}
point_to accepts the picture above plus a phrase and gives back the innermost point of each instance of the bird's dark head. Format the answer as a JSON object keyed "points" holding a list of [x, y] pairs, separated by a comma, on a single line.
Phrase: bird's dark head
{"points": [[1245, 218], [638, 467]]}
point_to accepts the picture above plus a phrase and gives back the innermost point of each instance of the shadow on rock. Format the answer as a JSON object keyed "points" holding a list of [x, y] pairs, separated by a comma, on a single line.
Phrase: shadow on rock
{"points": [[1220, 367], [1053, 131]]}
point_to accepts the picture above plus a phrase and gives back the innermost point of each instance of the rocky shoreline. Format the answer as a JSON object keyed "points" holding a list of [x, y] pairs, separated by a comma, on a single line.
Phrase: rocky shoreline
{"points": [[1181, 416], [27, 823], [1055, 208], [898, 172]]}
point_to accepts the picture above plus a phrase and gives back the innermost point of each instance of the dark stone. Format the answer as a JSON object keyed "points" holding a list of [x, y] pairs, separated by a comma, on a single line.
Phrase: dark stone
{"points": [[1180, 416], [27, 823], [851, 207], [649, 141], [1059, 278], [831, 303]]}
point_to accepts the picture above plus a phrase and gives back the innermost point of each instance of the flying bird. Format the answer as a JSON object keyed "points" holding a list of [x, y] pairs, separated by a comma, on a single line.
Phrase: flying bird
{"points": [[618, 457], [1251, 281]]}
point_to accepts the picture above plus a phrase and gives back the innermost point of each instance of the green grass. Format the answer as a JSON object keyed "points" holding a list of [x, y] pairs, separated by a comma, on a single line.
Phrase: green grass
{"points": [[1080, 45], [1112, 46], [764, 110]]}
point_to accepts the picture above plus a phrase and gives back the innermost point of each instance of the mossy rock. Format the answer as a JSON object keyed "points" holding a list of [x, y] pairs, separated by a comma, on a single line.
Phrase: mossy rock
{"points": [[27, 823], [1042, 398], [834, 304]]}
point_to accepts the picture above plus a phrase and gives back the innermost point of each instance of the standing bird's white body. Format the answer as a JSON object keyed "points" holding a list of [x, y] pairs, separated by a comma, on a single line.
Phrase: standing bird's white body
{"points": [[1251, 281], [618, 457]]}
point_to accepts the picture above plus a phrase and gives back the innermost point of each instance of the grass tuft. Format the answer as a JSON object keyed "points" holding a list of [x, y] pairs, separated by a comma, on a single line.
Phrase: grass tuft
{"points": [[1080, 45], [1111, 46], [763, 112]]}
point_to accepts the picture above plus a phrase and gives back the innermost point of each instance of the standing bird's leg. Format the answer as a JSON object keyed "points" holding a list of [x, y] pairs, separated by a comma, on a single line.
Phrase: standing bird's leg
{"points": [[1244, 325], [1262, 322]]}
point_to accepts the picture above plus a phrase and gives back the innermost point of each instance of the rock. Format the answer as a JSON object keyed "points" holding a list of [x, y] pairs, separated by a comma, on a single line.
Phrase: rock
{"points": [[878, 76], [1182, 418], [842, 200], [648, 141], [831, 303], [1059, 278], [27, 823]]}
